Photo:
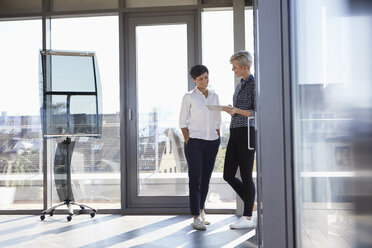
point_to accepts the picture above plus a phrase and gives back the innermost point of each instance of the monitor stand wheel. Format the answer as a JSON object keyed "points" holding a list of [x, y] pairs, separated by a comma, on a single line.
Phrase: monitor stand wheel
{"points": [[69, 204]]}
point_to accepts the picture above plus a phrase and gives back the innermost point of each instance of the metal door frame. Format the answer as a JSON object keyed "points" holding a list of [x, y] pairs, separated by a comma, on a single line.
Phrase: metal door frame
{"points": [[151, 204]]}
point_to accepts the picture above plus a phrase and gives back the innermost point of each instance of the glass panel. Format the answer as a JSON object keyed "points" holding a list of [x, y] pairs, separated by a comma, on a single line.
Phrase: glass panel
{"points": [[70, 94], [82, 119], [21, 144], [20, 6], [217, 35], [162, 81], [157, 3], [68, 5], [332, 106], [95, 162], [72, 74], [84, 115], [249, 38]]}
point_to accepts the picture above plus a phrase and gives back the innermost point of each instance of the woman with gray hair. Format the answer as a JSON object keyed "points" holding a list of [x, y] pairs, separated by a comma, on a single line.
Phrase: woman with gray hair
{"points": [[237, 153]]}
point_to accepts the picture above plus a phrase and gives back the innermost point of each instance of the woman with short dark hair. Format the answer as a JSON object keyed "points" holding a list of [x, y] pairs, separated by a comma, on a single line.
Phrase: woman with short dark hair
{"points": [[201, 131]]}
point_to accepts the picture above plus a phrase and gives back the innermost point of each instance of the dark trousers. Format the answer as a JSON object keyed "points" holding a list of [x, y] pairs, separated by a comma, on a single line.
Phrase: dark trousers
{"points": [[239, 156], [200, 156]]}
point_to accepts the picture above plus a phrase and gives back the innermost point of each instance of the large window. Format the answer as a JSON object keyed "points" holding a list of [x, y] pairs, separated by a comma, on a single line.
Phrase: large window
{"points": [[332, 120], [170, 45], [95, 162], [161, 84], [21, 177], [218, 46]]}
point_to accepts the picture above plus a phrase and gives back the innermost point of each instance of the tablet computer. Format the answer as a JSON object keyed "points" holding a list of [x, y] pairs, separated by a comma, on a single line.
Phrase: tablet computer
{"points": [[215, 107]]}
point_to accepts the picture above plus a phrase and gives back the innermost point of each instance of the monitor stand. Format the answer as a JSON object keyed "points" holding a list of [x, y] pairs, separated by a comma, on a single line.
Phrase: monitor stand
{"points": [[62, 165]]}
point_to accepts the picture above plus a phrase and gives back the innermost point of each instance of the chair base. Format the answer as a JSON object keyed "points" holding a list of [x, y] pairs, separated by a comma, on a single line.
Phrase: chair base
{"points": [[69, 205]]}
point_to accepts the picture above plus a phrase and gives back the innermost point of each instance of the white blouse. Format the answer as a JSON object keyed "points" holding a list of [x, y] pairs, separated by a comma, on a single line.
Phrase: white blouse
{"points": [[200, 121]]}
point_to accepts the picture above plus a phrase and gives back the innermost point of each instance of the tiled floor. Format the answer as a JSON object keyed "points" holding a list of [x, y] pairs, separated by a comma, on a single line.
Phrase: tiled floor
{"points": [[120, 231]]}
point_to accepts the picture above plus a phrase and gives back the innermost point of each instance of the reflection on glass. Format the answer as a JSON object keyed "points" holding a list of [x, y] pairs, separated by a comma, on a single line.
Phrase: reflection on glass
{"points": [[72, 73], [333, 122], [21, 181], [161, 81]]}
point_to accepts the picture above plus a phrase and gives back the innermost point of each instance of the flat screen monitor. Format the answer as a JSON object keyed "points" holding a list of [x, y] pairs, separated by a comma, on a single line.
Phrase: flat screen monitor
{"points": [[70, 94]]}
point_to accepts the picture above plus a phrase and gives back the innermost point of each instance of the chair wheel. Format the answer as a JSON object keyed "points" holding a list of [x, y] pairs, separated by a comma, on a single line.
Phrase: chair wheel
{"points": [[51, 213], [42, 217], [69, 218], [92, 214]]}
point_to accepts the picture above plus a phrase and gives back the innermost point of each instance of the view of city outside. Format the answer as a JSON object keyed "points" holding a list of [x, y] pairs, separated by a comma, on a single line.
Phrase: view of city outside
{"points": [[160, 141], [161, 82], [20, 130], [95, 161]]}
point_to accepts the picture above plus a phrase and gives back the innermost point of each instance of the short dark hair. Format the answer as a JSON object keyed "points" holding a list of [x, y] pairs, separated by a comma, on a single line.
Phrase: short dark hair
{"points": [[197, 70]]}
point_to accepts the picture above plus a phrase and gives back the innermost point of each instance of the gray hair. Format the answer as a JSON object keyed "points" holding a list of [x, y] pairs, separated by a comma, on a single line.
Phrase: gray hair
{"points": [[243, 58]]}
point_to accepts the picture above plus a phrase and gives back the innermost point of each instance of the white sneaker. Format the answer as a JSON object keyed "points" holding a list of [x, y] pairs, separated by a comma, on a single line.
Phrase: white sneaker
{"points": [[204, 218], [198, 224], [242, 223]]}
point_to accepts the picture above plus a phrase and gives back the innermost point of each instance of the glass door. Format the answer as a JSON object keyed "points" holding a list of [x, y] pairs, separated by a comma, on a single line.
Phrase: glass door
{"points": [[160, 53], [332, 116]]}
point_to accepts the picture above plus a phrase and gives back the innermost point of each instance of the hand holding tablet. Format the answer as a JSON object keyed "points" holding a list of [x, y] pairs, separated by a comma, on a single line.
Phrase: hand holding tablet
{"points": [[216, 107]]}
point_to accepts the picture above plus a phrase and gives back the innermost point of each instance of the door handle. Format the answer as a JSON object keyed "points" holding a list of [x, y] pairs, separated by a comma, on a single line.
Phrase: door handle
{"points": [[249, 134]]}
